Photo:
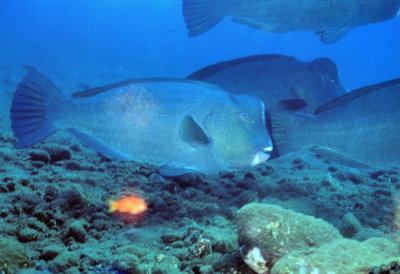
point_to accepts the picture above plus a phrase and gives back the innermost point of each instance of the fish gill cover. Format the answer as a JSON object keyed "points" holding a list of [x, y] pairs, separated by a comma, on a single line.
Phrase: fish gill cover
{"points": [[89, 197]]}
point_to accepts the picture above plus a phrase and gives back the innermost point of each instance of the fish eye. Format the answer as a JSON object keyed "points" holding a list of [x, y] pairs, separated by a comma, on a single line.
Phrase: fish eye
{"points": [[246, 116]]}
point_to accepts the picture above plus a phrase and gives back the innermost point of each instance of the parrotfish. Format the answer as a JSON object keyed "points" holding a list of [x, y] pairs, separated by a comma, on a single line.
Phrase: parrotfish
{"points": [[330, 19], [279, 81], [179, 125], [360, 129]]}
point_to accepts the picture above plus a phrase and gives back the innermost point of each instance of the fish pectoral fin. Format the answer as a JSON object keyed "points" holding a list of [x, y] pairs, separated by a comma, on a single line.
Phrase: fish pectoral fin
{"points": [[253, 24], [281, 121], [292, 104], [95, 144], [332, 35], [338, 157], [171, 171], [191, 133]]}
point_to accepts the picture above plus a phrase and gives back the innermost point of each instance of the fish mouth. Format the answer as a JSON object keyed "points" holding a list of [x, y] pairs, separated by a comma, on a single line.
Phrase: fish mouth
{"points": [[261, 156]]}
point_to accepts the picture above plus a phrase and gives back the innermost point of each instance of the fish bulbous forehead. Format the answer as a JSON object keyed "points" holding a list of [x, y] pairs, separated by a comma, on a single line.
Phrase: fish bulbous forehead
{"points": [[250, 105]]}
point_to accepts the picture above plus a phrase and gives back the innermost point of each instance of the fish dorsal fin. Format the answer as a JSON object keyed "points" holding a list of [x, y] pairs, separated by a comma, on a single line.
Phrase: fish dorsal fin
{"points": [[332, 35], [191, 133], [94, 91], [292, 104], [335, 156], [209, 71], [357, 93], [95, 144]]}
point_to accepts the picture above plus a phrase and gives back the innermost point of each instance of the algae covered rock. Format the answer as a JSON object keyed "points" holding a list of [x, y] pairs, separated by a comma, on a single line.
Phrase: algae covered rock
{"points": [[279, 231], [269, 232], [166, 264], [339, 256], [64, 261], [367, 233], [27, 235], [12, 256], [349, 225]]}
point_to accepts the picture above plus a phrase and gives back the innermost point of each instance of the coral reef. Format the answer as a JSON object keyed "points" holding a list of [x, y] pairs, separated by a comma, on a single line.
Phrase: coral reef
{"points": [[53, 204]]}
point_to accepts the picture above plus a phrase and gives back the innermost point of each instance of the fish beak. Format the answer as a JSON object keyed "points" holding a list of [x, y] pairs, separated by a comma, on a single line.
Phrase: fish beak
{"points": [[260, 157], [268, 149]]}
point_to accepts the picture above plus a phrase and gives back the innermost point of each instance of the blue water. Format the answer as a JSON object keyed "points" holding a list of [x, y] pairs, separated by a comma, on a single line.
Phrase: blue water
{"points": [[87, 43], [75, 40]]}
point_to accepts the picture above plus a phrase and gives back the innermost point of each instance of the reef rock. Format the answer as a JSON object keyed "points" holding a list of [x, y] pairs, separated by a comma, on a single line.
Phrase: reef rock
{"points": [[268, 232], [340, 256]]}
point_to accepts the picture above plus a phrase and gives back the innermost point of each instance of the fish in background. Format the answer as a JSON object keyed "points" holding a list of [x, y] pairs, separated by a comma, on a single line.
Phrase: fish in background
{"points": [[330, 19], [280, 81], [177, 124], [360, 129]]}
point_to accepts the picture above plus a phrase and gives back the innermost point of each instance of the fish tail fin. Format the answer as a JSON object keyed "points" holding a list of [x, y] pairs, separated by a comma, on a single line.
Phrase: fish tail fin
{"points": [[200, 15], [31, 119], [112, 205]]}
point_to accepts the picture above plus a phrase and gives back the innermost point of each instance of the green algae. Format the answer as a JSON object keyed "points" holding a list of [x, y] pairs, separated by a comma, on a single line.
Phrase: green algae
{"points": [[13, 256]]}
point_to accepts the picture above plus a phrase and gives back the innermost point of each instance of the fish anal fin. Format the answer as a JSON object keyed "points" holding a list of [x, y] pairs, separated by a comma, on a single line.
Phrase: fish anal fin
{"points": [[171, 171], [338, 157], [191, 133], [95, 144]]}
